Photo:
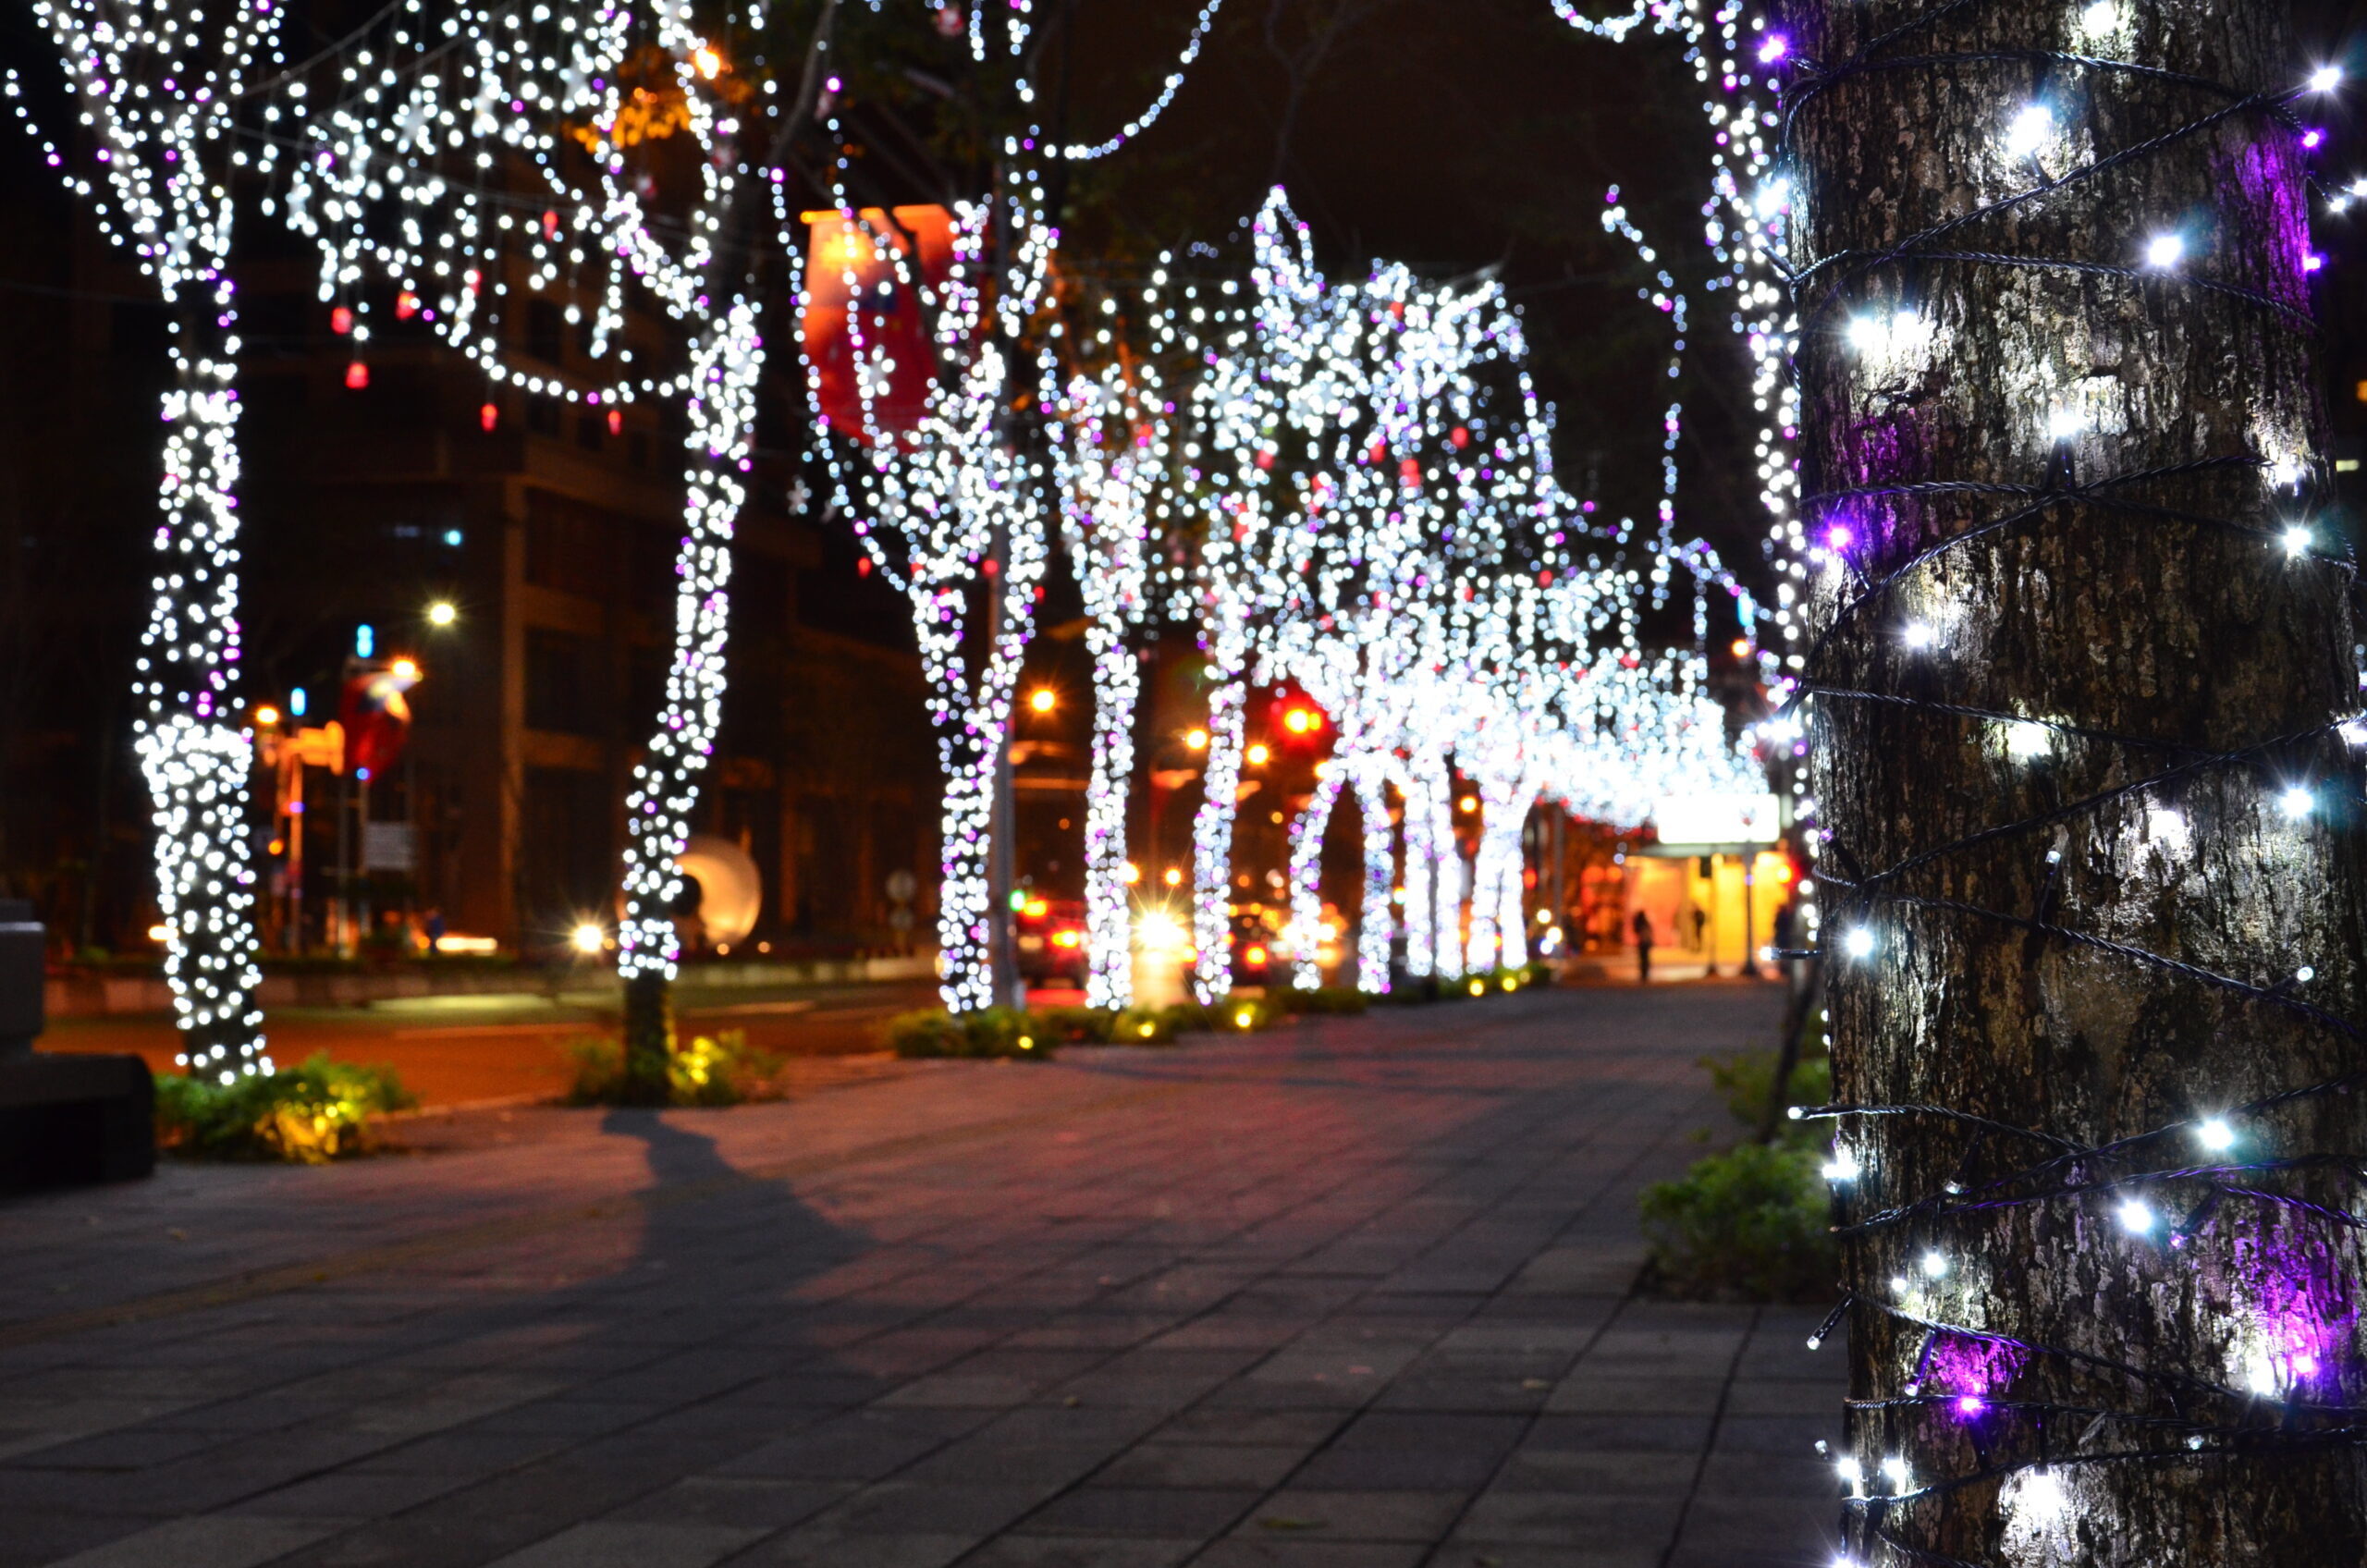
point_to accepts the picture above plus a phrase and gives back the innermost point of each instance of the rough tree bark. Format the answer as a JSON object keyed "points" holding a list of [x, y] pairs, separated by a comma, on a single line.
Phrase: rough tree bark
{"points": [[2125, 618]]}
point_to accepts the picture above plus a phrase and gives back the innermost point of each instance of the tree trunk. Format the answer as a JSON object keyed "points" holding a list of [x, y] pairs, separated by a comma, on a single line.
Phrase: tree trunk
{"points": [[1109, 898], [192, 752], [1374, 927], [725, 365], [1212, 826], [1307, 878], [2022, 931]]}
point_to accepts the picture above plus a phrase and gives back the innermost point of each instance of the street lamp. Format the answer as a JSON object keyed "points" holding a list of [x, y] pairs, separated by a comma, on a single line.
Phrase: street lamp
{"points": [[588, 938], [1043, 700], [442, 613]]}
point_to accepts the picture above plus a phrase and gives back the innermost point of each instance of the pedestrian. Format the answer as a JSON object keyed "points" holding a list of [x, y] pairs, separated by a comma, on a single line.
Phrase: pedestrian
{"points": [[1701, 918], [1643, 949], [1787, 940]]}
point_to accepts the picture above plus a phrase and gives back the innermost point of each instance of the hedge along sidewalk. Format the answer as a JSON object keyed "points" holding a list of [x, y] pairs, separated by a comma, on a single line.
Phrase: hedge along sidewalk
{"points": [[1036, 1035]]}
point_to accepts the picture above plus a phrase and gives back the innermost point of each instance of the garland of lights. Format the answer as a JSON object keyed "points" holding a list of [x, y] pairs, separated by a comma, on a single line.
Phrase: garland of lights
{"points": [[2285, 1323], [1111, 465], [159, 89]]}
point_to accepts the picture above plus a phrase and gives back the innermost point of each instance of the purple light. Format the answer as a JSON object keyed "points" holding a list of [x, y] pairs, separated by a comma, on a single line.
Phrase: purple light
{"points": [[1839, 537], [1970, 1405], [2312, 138], [2313, 263], [1774, 49]]}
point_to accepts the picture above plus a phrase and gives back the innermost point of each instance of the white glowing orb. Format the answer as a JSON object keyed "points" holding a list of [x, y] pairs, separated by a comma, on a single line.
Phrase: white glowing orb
{"points": [[2030, 130], [2165, 250], [2217, 1135]]}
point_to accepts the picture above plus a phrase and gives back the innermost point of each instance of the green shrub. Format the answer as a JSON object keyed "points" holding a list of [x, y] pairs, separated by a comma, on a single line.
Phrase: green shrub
{"points": [[306, 1115], [1745, 1080], [1751, 1224], [1327, 1000], [721, 1069], [991, 1032]]}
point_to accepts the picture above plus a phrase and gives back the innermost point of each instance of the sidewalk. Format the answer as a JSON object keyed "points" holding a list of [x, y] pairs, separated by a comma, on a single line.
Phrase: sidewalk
{"points": [[1348, 1297]]}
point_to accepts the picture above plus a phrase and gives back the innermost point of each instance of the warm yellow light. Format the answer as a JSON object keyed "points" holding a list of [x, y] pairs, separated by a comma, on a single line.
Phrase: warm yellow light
{"points": [[1742, 647], [160, 933], [707, 61], [1147, 1030], [1258, 754], [266, 715], [1468, 804], [1036, 909], [1174, 877], [442, 613], [1067, 938], [1256, 956], [406, 670], [1244, 1019], [1197, 740], [588, 938], [1298, 721], [1479, 987], [1042, 699], [1133, 874]]}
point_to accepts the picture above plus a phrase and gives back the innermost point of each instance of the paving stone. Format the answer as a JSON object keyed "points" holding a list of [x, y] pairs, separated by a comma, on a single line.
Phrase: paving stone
{"points": [[1368, 1278], [611, 1545], [216, 1542], [1354, 1516]]}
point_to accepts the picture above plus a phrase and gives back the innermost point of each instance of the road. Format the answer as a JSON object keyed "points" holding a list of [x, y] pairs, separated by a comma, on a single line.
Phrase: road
{"points": [[476, 1050], [1351, 1294]]}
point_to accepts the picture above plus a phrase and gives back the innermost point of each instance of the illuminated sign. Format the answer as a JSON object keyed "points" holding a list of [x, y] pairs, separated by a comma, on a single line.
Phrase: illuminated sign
{"points": [[1717, 820]]}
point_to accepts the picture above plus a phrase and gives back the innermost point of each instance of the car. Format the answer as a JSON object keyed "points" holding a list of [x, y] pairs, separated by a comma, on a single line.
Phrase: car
{"points": [[1051, 940]]}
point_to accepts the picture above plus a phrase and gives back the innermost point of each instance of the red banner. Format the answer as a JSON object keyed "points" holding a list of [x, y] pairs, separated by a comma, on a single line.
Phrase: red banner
{"points": [[856, 305]]}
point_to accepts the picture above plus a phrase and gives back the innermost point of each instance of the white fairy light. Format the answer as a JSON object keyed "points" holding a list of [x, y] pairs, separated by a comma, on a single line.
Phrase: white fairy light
{"points": [[2165, 250], [2136, 1216], [1859, 942], [2297, 802], [2298, 540], [2217, 1135], [2029, 129]]}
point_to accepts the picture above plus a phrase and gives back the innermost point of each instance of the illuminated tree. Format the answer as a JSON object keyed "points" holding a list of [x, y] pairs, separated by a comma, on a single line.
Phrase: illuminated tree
{"points": [[1112, 469], [158, 89]]}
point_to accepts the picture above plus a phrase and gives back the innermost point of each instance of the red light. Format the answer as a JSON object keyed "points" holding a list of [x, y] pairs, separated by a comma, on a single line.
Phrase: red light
{"points": [[357, 377], [550, 224], [616, 422], [1460, 438], [406, 305], [863, 565], [340, 321], [489, 416]]}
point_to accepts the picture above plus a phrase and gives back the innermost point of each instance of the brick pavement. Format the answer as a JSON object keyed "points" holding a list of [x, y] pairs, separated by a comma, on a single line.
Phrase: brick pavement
{"points": [[1347, 1296]]}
